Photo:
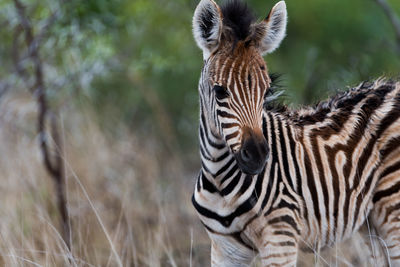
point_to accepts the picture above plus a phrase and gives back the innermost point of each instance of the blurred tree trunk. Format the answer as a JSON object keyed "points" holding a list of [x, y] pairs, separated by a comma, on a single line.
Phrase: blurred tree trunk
{"points": [[53, 162]]}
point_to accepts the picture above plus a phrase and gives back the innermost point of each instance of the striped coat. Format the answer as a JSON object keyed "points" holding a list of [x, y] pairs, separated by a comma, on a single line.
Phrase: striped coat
{"points": [[274, 181], [330, 169]]}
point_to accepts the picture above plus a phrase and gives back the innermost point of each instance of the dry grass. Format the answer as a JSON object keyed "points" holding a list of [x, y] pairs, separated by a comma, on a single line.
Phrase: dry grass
{"points": [[129, 204]]}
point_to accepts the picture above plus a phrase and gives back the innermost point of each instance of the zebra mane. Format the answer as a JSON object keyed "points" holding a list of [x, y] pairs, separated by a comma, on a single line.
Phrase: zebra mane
{"points": [[272, 100], [238, 18], [344, 100]]}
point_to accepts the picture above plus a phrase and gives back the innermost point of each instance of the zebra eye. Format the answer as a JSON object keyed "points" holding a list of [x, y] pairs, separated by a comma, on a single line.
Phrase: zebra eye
{"points": [[220, 92]]}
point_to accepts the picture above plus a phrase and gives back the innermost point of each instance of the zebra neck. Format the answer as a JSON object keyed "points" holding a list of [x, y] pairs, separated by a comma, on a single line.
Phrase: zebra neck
{"points": [[218, 163], [284, 146]]}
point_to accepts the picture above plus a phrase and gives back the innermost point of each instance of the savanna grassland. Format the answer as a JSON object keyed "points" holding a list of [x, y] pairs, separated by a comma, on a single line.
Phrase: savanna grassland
{"points": [[129, 203]]}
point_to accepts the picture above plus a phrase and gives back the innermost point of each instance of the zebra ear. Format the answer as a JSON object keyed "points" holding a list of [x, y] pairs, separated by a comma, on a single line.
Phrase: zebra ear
{"points": [[272, 30], [207, 25]]}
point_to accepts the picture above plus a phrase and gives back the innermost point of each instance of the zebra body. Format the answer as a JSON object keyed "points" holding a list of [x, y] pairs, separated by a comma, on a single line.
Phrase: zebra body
{"points": [[274, 181], [324, 177]]}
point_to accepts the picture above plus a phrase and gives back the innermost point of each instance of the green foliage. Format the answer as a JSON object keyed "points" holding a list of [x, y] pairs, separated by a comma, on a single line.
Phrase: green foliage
{"points": [[137, 60], [331, 44]]}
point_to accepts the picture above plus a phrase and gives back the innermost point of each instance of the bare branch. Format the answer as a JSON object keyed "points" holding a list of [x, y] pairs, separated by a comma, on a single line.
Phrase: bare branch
{"points": [[17, 57], [393, 18], [47, 25], [55, 167], [60, 168]]}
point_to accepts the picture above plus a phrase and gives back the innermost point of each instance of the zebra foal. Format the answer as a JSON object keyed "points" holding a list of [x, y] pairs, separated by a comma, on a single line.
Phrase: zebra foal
{"points": [[274, 181]]}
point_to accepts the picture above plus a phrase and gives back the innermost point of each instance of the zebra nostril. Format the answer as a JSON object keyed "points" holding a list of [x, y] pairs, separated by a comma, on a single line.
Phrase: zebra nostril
{"points": [[245, 155]]}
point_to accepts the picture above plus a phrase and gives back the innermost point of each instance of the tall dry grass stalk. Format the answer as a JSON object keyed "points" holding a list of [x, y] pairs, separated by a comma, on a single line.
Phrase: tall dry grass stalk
{"points": [[129, 204]]}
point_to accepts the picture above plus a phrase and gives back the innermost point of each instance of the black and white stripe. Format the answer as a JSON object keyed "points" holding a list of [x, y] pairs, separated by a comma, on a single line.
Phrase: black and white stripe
{"points": [[276, 180], [329, 169]]}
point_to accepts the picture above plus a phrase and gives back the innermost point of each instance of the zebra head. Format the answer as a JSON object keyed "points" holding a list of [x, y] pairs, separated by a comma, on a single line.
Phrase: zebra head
{"points": [[234, 78]]}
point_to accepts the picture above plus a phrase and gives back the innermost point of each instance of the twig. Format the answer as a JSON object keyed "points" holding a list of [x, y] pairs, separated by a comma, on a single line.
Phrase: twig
{"points": [[54, 167], [60, 180], [393, 18], [16, 56]]}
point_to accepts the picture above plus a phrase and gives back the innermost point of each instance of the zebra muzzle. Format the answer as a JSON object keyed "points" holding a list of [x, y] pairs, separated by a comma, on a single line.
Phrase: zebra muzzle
{"points": [[253, 154]]}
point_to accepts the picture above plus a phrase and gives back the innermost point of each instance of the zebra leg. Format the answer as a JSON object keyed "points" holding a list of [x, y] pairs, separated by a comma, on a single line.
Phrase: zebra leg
{"points": [[386, 219], [280, 247], [226, 251]]}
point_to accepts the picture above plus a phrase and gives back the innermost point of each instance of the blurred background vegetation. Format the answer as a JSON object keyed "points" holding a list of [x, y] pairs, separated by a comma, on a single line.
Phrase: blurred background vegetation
{"points": [[131, 68], [136, 61]]}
